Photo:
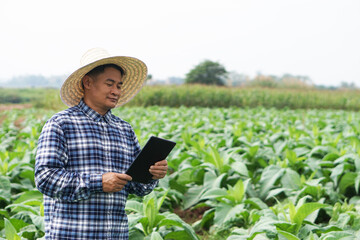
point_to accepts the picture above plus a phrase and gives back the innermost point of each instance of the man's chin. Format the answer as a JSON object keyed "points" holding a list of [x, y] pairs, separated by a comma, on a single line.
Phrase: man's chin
{"points": [[111, 105]]}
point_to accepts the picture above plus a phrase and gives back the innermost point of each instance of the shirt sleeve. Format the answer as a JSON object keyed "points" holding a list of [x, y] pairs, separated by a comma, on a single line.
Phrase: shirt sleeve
{"points": [[51, 176], [141, 189]]}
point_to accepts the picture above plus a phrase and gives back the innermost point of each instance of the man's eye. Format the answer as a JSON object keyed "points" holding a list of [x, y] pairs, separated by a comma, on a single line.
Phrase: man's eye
{"points": [[108, 84]]}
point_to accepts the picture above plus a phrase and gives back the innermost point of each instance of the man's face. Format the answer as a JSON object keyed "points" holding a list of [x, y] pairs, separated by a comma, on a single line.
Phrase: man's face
{"points": [[103, 92]]}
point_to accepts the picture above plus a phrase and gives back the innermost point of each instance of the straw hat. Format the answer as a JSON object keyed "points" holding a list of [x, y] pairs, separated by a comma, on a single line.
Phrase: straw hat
{"points": [[135, 75]]}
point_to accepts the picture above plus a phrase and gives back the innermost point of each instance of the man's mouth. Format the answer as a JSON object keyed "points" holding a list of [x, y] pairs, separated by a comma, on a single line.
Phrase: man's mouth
{"points": [[113, 99]]}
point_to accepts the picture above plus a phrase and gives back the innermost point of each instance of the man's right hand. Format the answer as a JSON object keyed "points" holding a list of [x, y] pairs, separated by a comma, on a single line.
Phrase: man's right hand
{"points": [[114, 182]]}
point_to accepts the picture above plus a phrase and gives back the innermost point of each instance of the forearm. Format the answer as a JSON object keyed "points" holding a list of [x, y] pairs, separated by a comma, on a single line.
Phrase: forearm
{"points": [[65, 185]]}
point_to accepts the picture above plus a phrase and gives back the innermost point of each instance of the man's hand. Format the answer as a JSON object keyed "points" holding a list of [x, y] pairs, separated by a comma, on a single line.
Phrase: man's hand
{"points": [[159, 170], [114, 182]]}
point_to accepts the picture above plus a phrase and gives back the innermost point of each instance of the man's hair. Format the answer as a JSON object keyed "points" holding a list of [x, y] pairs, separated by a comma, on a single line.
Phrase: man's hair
{"points": [[100, 69]]}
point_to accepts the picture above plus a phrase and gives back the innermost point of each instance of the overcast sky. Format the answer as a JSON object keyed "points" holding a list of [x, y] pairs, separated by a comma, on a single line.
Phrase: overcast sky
{"points": [[315, 38]]}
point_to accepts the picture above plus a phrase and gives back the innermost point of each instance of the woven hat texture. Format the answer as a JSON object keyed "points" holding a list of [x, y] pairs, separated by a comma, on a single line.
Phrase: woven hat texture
{"points": [[72, 91]]}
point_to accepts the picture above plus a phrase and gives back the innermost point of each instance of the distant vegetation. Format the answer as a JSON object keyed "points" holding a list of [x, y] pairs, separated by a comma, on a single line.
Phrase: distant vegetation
{"points": [[34, 81], [207, 72], [206, 96]]}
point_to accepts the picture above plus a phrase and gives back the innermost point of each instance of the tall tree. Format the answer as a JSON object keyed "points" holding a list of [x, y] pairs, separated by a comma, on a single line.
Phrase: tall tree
{"points": [[207, 72]]}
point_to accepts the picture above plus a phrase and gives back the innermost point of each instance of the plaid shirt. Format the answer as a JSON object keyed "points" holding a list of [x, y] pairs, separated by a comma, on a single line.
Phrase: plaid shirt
{"points": [[76, 147]]}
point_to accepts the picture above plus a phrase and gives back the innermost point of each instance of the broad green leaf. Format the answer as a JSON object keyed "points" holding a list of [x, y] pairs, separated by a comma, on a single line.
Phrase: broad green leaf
{"points": [[155, 236], [301, 151], [343, 220], [264, 225], [304, 210], [256, 203], [336, 172], [357, 163], [357, 183], [21, 207], [207, 219], [345, 158], [253, 150], [10, 231], [150, 212], [240, 168], [178, 235], [4, 213], [136, 234], [170, 222], [29, 195], [268, 178], [331, 157], [134, 219], [291, 179], [161, 200], [291, 156], [321, 151], [347, 180], [213, 193], [274, 193], [279, 147], [225, 212], [135, 206], [193, 196], [186, 227], [236, 193], [342, 235], [292, 212], [18, 224], [211, 180], [288, 235], [38, 221], [5, 188]]}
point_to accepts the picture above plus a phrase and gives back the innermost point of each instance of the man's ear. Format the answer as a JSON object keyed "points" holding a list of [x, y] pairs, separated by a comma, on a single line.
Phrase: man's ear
{"points": [[86, 81]]}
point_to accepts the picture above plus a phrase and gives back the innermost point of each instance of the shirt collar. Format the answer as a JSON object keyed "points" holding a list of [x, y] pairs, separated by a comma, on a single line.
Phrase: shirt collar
{"points": [[92, 114]]}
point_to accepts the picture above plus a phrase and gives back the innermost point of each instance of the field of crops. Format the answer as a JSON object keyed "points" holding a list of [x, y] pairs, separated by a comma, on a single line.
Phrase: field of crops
{"points": [[206, 96], [234, 174]]}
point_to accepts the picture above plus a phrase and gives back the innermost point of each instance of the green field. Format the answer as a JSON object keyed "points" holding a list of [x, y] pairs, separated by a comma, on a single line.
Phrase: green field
{"points": [[234, 174], [206, 96]]}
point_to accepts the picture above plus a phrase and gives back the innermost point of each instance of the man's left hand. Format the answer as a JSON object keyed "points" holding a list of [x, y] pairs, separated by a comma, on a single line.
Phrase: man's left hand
{"points": [[159, 169]]}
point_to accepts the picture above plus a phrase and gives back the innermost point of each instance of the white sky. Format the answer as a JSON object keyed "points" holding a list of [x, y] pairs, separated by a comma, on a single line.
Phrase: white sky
{"points": [[316, 38]]}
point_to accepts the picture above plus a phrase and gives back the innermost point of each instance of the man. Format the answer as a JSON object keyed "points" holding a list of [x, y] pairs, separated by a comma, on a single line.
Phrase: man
{"points": [[84, 152]]}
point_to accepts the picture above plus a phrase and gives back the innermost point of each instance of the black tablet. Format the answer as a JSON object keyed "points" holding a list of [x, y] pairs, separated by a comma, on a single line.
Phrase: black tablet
{"points": [[156, 149]]}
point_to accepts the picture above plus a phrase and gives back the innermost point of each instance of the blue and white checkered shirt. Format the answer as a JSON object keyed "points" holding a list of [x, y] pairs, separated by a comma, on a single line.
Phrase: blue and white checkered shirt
{"points": [[76, 147]]}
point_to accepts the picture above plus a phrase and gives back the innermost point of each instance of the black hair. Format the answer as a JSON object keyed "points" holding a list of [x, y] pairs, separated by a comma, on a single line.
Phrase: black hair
{"points": [[100, 69]]}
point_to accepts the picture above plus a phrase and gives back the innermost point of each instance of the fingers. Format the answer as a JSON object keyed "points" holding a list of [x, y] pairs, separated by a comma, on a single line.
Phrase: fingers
{"points": [[159, 170], [114, 182], [122, 176], [161, 163]]}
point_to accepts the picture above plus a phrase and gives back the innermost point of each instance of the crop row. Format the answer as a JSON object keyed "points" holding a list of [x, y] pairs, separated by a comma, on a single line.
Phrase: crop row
{"points": [[207, 96], [234, 174]]}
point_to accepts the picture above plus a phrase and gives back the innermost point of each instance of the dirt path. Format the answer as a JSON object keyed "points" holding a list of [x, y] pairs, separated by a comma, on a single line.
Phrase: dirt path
{"points": [[4, 107]]}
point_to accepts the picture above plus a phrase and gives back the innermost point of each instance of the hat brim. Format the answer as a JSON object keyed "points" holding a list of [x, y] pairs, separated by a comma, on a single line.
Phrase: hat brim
{"points": [[72, 91]]}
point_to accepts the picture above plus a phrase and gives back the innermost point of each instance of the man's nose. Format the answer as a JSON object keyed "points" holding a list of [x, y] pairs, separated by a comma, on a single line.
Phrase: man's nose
{"points": [[115, 91]]}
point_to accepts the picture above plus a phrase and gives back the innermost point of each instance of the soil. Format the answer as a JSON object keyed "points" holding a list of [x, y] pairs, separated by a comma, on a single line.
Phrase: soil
{"points": [[191, 215], [7, 107], [4, 107]]}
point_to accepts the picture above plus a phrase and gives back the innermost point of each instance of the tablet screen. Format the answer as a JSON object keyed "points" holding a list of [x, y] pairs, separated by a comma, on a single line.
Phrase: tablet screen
{"points": [[156, 149]]}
